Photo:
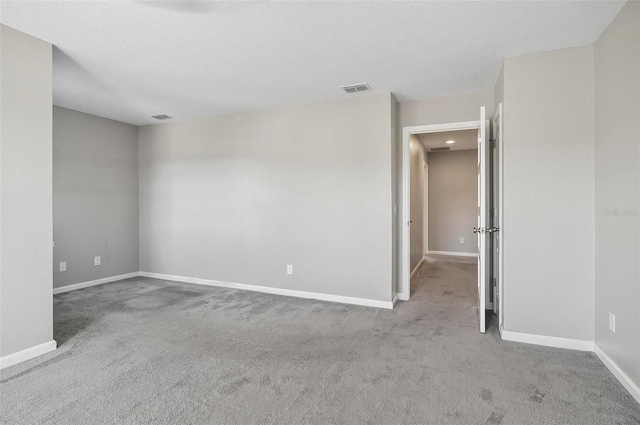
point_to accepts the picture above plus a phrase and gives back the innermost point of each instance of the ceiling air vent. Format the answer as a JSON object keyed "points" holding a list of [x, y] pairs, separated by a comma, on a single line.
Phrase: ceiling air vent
{"points": [[439, 149], [355, 88], [161, 117]]}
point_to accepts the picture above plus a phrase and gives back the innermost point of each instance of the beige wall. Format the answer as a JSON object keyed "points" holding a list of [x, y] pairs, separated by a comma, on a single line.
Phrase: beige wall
{"points": [[416, 181], [453, 200], [462, 107], [95, 197], [26, 303], [236, 198], [617, 189], [549, 247], [498, 91]]}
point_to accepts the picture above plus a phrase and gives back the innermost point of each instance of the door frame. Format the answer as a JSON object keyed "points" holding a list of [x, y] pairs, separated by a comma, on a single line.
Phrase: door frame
{"points": [[425, 212], [404, 232]]}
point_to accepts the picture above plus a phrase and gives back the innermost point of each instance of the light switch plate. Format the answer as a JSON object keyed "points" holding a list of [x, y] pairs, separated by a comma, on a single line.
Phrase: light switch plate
{"points": [[612, 322]]}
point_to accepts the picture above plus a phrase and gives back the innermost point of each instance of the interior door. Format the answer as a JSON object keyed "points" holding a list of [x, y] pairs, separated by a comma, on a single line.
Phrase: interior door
{"points": [[496, 201], [484, 253]]}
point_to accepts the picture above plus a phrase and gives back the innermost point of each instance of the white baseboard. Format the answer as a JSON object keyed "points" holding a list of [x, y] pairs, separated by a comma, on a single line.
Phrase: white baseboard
{"points": [[395, 299], [416, 268], [75, 286], [27, 354], [624, 379], [208, 282], [548, 341], [275, 291], [402, 296], [457, 254]]}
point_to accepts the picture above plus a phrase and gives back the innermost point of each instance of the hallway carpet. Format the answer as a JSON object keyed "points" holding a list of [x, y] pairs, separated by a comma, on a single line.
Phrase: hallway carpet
{"points": [[146, 351]]}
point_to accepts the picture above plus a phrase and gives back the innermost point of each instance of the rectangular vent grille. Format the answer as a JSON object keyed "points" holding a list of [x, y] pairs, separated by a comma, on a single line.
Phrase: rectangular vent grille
{"points": [[439, 149], [161, 117], [355, 88]]}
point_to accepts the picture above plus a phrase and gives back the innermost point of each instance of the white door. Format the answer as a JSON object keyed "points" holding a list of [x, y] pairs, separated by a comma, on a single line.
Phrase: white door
{"points": [[496, 202], [484, 254]]}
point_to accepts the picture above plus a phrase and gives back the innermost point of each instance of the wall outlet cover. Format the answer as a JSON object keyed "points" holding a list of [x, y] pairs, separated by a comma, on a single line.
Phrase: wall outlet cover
{"points": [[63, 266], [289, 269], [97, 261]]}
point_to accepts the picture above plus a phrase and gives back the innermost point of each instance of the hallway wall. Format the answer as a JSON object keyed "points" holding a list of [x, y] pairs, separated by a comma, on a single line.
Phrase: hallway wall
{"points": [[453, 200], [416, 161]]}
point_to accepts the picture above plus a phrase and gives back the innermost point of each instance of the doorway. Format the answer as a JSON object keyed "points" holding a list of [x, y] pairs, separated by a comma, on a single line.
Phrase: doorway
{"points": [[405, 234], [489, 211], [452, 192]]}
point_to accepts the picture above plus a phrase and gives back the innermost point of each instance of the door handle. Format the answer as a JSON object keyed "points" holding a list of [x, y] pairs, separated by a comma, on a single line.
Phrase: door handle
{"points": [[493, 229], [481, 230]]}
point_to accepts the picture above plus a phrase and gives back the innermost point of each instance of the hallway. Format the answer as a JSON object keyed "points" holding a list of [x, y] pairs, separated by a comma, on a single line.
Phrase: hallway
{"points": [[447, 285]]}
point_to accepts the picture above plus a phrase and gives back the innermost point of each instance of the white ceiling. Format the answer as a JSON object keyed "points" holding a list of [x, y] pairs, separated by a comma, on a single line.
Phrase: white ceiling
{"points": [[127, 60], [464, 140]]}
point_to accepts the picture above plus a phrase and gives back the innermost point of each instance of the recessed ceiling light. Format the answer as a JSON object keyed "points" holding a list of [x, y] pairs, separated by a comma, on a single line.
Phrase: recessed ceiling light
{"points": [[450, 142]]}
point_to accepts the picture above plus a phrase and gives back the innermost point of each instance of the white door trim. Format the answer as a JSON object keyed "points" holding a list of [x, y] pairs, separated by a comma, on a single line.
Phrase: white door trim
{"points": [[425, 212], [404, 233]]}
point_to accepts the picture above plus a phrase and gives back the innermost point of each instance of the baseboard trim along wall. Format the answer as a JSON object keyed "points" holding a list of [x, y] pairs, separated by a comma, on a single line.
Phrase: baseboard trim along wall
{"points": [[276, 291], [396, 297], [581, 345], [624, 379], [548, 341], [81, 285], [457, 254], [416, 268], [243, 286], [27, 354]]}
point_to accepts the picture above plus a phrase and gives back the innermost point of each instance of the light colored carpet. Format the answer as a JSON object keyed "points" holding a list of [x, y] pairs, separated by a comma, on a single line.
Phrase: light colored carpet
{"points": [[149, 351]]}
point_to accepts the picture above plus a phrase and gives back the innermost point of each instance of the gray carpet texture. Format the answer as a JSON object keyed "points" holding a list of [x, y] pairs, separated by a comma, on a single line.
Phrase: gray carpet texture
{"points": [[147, 351]]}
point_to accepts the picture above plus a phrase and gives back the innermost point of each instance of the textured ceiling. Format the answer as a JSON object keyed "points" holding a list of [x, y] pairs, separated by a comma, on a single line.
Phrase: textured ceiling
{"points": [[127, 60], [464, 140]]}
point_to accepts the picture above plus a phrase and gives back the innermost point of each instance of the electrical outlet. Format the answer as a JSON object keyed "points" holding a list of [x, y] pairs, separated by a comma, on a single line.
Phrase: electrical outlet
{"points": [[63, 266], [612, 322], [461, 241], [97, 261], [289, 269]]}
